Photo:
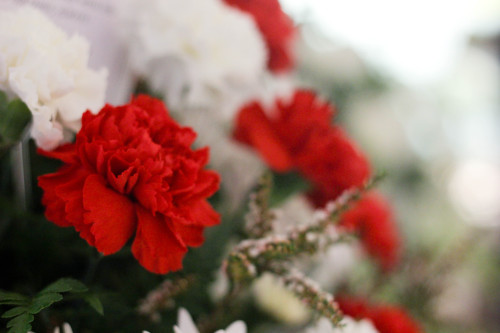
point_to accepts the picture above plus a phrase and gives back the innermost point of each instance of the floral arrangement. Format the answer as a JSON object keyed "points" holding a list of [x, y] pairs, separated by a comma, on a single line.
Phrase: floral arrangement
{"points": [[234, 196]]}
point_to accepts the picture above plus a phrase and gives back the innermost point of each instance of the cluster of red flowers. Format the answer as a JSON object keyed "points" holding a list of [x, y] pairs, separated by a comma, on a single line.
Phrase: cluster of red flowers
{"points": [[130, 170], [298, 135], [276, 27], [385, 318]]}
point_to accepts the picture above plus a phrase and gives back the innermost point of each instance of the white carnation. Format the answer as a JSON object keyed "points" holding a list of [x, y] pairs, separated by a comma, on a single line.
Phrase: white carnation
{"points": [[185, 324], [350, 326], [193, 52], [238, 166], [48, 71]]}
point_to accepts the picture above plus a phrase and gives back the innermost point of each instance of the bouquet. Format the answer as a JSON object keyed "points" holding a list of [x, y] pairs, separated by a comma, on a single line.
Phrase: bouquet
{"points": [[223, 196]]}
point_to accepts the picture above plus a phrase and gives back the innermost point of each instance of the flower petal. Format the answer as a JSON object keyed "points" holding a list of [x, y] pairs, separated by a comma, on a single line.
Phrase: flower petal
{"points": [[185, 322], [372, 218], [55, 205], [191, 235], [111, 214], [206, 185], [203, 214], [255, 129], [63, 199], [237, 327], [156, 246], [66, 153]]}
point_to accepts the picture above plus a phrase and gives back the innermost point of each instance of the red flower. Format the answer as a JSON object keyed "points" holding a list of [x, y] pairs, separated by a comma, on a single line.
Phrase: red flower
{"points": [[372, 219], [298, 135], [130, 170], [385, 318], [276, 27]]}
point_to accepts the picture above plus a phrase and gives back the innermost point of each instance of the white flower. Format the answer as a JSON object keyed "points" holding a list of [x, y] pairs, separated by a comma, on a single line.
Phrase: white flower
{"points": [[65, 329], [193, 51], [186, 325], [336, 264], [238, 166], [48, 71], [350, 326]]}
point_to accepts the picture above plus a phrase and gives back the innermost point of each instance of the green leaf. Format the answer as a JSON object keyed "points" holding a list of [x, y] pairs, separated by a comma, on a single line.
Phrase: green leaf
{"points": [[14, 302], [42, 301], [14, 117], [65, 285], [20, 323], [14, 312], [23, 315], [7, 297], [94, 302], [21, 328]]}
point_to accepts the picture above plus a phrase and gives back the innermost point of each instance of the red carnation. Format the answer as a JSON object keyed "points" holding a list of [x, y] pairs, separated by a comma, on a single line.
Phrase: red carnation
{"points": [[297, 134], [385, 318], [372, 219], [276, 27], [130, 170]]}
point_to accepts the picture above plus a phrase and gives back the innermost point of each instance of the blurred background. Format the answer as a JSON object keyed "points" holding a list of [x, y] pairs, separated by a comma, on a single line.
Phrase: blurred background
{"points": [[417, 83]]}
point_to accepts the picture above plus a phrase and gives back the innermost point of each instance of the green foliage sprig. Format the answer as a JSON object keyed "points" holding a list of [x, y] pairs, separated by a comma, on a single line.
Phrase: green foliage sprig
{"points": [[272, 253], [25, 308]]}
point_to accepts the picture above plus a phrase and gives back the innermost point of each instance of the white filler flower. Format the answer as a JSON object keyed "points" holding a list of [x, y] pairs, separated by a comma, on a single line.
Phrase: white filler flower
{"points": [[193, 51], [350, 326], [48, 71], [65, 329]]}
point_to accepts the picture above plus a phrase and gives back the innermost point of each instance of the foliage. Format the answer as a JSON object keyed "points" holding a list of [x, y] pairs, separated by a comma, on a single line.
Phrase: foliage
{"points": [[14, 117], [21, 315]]}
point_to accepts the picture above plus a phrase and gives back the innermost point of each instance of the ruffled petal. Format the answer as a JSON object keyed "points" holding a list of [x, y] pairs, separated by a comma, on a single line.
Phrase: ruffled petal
{"points": [[191, 235], [206, 184], [64, 200], [111, 215], [66, 153], [156, 246], [154, 107], [55, 205], [255, 129], [203, 214]]}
